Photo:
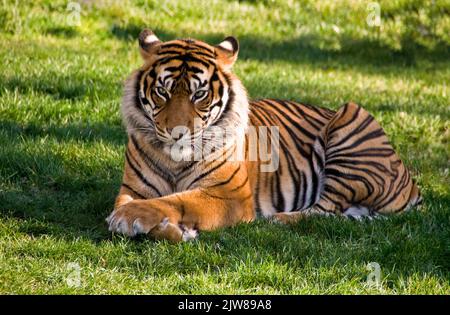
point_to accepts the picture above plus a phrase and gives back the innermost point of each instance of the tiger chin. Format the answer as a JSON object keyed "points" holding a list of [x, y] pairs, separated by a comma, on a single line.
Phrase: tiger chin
{"points": [[193, 160]]}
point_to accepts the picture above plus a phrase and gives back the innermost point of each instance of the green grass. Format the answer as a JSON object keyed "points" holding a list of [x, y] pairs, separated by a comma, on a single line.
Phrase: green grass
{"points": [[62, 145]]}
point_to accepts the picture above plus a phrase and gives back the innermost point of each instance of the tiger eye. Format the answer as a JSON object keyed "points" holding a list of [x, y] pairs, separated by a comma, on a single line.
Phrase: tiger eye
{"points": [[161, 91]]}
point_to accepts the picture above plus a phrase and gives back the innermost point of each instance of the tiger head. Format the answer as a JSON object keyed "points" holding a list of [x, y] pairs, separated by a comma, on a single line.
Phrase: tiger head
{"points": [[184, 89]]}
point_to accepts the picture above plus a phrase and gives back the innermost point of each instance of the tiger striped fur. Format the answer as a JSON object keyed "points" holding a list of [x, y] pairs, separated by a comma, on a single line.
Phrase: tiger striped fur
{"points": [[329, 162]]}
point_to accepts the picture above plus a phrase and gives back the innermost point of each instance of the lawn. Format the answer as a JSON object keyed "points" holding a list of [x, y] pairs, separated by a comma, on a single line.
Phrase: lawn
{"points": [[62, 145]]}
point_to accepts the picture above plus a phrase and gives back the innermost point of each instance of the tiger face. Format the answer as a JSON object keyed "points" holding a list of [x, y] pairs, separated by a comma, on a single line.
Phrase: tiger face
{"points": [[184, 88]]}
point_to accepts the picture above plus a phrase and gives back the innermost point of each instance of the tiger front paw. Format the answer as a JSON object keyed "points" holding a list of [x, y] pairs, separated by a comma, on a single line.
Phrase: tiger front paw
{"points": [[173, 232], [130, 221]]}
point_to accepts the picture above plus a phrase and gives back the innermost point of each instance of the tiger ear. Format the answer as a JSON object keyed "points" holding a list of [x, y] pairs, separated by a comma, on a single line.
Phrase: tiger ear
{"points": [[227, 52], [148, 42]]}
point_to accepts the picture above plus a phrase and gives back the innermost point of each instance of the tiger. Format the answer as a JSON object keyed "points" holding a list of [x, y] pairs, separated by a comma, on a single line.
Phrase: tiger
{"points": [[327, 162]]}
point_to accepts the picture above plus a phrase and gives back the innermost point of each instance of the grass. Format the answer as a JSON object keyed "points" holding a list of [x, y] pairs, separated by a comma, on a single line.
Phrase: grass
{"points": [[62, 145]]}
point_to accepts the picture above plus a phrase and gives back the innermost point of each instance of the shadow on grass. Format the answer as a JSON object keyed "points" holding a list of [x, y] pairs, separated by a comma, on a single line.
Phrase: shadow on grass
{"points": [[362, 54], [45, 211], [68, 203], [60, 87], [87, 132], [62, 31]]}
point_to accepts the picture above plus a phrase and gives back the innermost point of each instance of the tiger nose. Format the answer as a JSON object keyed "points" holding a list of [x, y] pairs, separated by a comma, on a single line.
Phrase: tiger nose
{"points": [[177, 137], [178, 134]]}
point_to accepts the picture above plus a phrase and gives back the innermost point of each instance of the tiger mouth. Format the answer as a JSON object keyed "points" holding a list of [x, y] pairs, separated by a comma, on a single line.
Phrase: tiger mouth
{"points": [[183, 145]]}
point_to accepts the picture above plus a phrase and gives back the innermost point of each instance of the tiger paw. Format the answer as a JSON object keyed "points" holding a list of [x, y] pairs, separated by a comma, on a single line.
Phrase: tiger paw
{"points": [[188, 234], [173, 232], [130, 221]]}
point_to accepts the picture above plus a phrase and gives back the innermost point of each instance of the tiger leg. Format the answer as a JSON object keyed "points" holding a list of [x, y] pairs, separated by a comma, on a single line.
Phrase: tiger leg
{"points": [[352, 212], [175, 216], [362, 175], [295, 216], [325, 207]]}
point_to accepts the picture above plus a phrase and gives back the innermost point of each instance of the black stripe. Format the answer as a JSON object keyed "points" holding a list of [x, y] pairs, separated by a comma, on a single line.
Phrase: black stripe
{"points": [[137, 103], [304, 190], [302, 151], [203, 47], [141, 176], [290, 120], [203, 175], [194, 69], [374, 164], [354, 131], [373, 152], [231, 97], [226, 198], [380, 180], [281, 202], [172, 45], [190, 58], [323, 112], [186, 47], [292, 166], [134, 191], [346, 186], [405, 179], [322, 208], [172, 69], [350, 177], [229, 179], [314, 122], [369, 136], [241, 185], [164, 173], [332, 190], [341, 114]]}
